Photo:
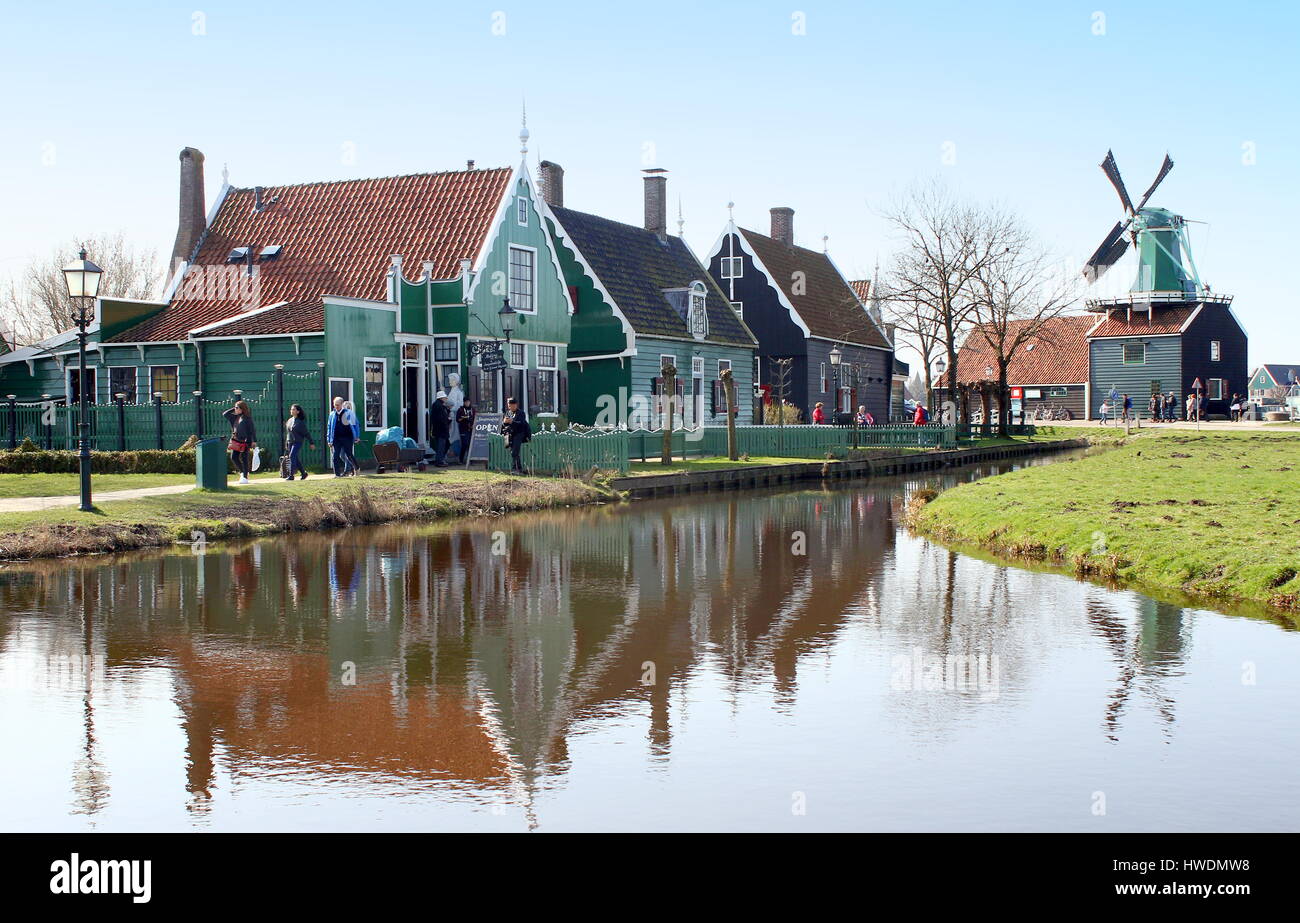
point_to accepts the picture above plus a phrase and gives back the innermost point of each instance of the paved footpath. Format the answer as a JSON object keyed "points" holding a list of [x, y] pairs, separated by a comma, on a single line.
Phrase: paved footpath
{"points": [[35, 504], [1210, 425]]}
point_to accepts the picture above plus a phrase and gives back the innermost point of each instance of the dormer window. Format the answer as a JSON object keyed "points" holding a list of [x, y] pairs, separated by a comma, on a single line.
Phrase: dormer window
{"points": [[698, 314]]}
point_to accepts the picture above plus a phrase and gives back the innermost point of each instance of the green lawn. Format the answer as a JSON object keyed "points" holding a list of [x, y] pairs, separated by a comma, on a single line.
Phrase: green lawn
{"points": [[269, 505], [1215, 514], [58, 485]]}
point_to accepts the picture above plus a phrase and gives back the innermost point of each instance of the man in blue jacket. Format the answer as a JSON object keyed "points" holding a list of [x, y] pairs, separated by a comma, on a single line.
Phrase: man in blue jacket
{"points": [[341, 433]]}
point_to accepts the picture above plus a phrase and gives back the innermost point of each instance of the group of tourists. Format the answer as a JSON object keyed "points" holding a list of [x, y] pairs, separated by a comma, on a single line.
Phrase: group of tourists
{"points": [[451, 431], [861, 418]]}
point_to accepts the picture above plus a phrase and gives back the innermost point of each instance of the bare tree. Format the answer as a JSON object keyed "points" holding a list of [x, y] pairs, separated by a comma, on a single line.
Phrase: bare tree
{"points": [[36, 303], [1015, 294], [921, 329], [945, 244]]}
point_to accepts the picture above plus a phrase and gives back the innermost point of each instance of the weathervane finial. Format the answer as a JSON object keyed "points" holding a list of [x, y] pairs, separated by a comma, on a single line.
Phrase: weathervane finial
{"points": [[680, 221], [523, 130]]}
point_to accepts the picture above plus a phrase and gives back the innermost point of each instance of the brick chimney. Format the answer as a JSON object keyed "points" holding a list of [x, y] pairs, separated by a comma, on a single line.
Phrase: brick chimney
{"points": [[193, 219], [656, 201], [551, 179], [783, 225]]}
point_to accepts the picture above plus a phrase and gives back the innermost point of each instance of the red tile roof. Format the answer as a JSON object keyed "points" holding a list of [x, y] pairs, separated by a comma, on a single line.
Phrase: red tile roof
{"points": [[1059, 353], [338, 238], [1163, 320], [828, 305], [862, 288]]}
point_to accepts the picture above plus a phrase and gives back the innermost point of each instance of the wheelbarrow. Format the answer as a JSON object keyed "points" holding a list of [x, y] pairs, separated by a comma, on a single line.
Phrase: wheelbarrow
{"points": [[391, 454]]}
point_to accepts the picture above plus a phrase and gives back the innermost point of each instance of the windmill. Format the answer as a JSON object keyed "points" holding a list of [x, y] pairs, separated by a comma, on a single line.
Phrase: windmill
{"points": [[1158, 235]]}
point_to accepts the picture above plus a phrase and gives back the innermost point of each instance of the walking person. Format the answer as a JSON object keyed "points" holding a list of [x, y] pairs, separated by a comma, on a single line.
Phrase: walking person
{"points": [[295, 434], [516, 429], [1234, 408], [862, 418], [465, 428], [1105, 412], [1153, 407], [243, 438], [341, 432], [1128, 409], [819, 415], [440, 429]]}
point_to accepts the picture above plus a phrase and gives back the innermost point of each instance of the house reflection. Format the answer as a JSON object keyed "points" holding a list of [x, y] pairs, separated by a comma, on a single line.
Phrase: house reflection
{"points": [[469, 653]]}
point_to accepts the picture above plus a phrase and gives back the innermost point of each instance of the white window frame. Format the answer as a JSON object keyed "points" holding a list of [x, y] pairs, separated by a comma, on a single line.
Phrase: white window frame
{"points": [[737, 266], [1216, 350], [521, 211], [553, 371], [383, 394], [351, 389], [723, 365], [532, 251], [511, 358], [135, 373], [1222, 389], [697, 300], [67, 383], [739, 308], [825, 382], [170, 365]]}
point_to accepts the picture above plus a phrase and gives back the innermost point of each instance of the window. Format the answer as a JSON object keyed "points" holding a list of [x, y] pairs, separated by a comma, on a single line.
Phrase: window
{"points": [[1217, 388], [697, 365], [723, 365], [1057, 392], [518, 355], [1216, 351], [699, 315], [521, 210], [446, 349], [666, 360], [546, 375], [376, 409], [74, 385], [733, 267], [122, 381], [739, 308], [165, 380], [521, 279], [826, 385], [1135, 354]]}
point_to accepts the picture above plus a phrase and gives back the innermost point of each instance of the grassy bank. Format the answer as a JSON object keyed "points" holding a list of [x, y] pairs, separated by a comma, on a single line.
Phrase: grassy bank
{"points": [[61, 485], [272, 506], [1212, 514]]}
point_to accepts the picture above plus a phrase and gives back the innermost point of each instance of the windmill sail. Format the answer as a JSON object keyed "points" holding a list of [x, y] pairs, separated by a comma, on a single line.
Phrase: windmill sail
{"points": [[1160, 178], [1108, 254], [1112, 173]]}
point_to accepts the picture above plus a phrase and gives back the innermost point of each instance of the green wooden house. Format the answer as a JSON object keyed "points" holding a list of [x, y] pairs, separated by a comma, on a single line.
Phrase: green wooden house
{"points": [[643, 300], [370, 289]]}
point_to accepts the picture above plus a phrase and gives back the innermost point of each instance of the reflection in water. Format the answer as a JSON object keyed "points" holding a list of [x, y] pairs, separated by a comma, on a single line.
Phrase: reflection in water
{"points": [[461, 665]]}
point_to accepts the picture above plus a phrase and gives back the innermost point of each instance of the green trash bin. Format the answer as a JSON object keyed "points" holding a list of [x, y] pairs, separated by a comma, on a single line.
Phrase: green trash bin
{"points": [[211, 466]]}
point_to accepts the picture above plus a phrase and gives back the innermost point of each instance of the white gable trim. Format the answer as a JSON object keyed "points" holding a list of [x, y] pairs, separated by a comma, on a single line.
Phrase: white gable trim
{"points": [[629, 332], [771, 281], [236, 317]]}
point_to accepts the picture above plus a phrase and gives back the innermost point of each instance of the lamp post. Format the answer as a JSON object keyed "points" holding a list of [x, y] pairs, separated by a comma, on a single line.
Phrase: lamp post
{"points": [[507, 316], [940, 366], [837, 356], [82, 278]]}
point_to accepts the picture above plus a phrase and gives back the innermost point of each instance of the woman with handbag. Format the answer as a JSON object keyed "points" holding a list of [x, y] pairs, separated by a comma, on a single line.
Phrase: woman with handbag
{"points": [[243, 438], [295, 434]]}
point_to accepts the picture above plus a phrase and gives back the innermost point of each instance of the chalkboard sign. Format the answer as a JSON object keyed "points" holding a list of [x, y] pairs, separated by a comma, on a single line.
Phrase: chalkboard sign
{"points": [[492, 360], [484, 425]]}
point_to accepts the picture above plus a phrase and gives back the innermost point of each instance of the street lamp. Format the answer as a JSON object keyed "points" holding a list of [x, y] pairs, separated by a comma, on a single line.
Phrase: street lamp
{"points": [[507, 316], [82, 279], [836, 358]]}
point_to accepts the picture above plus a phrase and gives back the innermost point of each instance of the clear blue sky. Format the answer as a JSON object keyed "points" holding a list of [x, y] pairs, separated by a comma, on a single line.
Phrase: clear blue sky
{"points": [[733, 102]]}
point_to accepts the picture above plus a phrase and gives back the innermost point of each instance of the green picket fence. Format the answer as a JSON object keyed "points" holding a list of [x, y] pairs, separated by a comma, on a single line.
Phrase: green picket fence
{"points": [[581, 450], [564, 452]]}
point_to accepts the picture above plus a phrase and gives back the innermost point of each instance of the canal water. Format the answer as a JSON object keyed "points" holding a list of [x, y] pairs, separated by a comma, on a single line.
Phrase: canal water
{"points": [[766, 661]]}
